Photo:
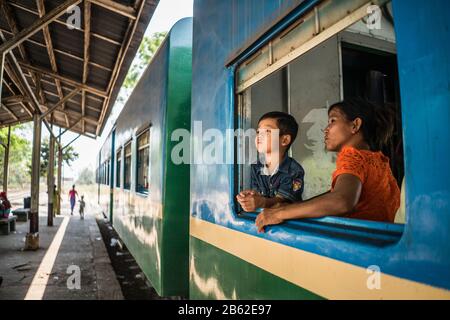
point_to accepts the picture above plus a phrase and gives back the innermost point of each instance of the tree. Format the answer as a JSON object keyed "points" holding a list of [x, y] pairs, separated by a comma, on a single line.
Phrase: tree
{"points": [[69, 156], [147, 50], [86, 177], [19, 154]]}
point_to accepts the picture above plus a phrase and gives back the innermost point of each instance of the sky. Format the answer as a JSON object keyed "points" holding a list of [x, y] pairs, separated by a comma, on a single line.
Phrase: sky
{"points": [[166, 15]]}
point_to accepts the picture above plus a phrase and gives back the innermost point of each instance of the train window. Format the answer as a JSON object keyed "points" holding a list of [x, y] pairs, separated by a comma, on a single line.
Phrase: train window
{"points": [[142, 162], [118, 167], [127, 167], [107, 171], [303, 76]]}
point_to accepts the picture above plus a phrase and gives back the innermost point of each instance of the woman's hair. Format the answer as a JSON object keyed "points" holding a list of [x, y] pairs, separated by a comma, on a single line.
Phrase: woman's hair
{"points": [[377, 122]]}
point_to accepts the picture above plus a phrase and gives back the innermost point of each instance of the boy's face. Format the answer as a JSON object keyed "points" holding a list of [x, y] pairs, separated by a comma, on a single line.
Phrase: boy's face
{"points": [[268, 137]]}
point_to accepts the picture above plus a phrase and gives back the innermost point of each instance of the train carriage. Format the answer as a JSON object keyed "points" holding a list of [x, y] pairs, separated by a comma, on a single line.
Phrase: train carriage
{"points": [[148, 193], [300, 57], [182, 223]]}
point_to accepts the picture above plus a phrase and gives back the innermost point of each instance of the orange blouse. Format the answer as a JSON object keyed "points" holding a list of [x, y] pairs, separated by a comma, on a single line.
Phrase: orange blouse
{"points": [[380, 194]]}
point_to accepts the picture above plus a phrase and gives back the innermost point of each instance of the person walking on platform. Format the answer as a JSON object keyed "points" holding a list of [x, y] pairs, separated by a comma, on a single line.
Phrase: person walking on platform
{"points": [[72, 197]]}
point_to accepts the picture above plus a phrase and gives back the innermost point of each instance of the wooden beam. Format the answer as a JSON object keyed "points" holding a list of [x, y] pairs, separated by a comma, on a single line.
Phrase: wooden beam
{"points": [[50, 51], [68, 88], [87, 44], [60, 103], [70, 81], [11, 20], [15, 98], [14, 123], [10, 112], [121, 9], [2, 68], [95, 35], [37, 26], [67, 54], [120, 58]]}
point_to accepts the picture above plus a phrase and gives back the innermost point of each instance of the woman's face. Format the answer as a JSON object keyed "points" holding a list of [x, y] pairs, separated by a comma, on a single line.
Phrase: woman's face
{"points": [[339, 130]]}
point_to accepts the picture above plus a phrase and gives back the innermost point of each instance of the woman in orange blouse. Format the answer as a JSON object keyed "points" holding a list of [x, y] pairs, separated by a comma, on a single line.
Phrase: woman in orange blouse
{"points": [[363, 186]]}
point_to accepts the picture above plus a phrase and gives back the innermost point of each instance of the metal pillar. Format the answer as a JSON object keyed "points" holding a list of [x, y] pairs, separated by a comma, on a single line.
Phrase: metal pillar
{"points": [[59, 190], [51, 179], [32, 238], [6, 162]]}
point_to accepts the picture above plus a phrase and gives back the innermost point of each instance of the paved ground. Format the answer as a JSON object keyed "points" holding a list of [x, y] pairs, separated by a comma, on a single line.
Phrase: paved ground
{"points": [[71, 247]]}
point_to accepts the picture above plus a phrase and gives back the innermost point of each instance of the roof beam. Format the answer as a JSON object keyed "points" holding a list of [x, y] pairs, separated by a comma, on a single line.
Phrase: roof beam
{"points": [[10, 112], [121, 9], [70, 55], [51, 54], [87, 44], [60, 103], [95, 35], [120, 58], [15, 30], [37, 26], [70, 81], [24, 83]]}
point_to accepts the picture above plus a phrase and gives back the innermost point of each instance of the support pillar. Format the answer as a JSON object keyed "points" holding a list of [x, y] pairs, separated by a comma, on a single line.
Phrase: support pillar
{"points": [[6, 162], [60, 160], [32, 238], [2, 67], [51, 180]]}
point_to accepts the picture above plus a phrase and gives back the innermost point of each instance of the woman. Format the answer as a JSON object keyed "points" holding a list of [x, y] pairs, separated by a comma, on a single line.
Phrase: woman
{"points": [[72, 197], [363, 186], [5, 205]]}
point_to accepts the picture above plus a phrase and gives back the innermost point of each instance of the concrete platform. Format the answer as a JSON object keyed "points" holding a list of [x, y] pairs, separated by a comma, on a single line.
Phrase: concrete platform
{"points": [[72, 250]]}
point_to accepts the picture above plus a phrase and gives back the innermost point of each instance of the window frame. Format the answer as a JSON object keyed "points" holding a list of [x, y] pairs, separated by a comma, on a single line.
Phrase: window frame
{"points": [[138, 149], [370, 232], [118, 171], [129, 173]]}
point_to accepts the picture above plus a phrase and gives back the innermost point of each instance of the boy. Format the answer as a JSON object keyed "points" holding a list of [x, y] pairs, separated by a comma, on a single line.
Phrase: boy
{"points": [[280, 178], [82, 205]]}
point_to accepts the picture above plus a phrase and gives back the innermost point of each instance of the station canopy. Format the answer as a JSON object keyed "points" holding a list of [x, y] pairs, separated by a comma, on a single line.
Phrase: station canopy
{"points": [[70, 70]]}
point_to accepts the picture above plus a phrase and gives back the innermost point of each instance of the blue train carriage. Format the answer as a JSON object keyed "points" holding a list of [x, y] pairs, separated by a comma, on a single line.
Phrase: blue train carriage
{"points": [[253, 56], [151, 193]]}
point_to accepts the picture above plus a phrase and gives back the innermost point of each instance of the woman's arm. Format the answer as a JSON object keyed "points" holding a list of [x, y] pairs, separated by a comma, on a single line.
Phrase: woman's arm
{"points": [[341, 200]]}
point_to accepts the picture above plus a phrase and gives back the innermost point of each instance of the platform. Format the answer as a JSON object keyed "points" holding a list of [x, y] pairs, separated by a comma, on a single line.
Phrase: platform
{"points": [[71, 247]]}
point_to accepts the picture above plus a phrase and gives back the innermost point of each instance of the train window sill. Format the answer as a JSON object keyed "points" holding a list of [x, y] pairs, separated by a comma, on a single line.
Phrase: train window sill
{"points": [[143, 194], [374, 233]]}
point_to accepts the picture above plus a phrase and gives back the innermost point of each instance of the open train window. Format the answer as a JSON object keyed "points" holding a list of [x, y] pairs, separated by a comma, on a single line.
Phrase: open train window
{"points": [[108, 173], [142, 162], [127, 167], [303, 75], [118, 167]]}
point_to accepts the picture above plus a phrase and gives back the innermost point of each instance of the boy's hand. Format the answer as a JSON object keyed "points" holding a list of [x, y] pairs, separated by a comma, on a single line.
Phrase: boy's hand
{"points": [[251, 200]]}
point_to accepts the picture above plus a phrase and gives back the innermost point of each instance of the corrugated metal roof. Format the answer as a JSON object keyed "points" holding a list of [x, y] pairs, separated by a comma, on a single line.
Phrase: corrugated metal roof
{"points": [[113, 42]]}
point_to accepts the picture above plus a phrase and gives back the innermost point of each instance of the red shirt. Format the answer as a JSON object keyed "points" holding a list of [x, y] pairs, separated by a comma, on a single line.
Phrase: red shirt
{"points": [[72, 193], [380, 194]]}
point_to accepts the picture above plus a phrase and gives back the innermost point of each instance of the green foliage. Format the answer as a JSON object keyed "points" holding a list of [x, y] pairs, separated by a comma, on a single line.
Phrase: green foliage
{"points": [[146, 51], [86, 177], [69, 156], [19, 154]]}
